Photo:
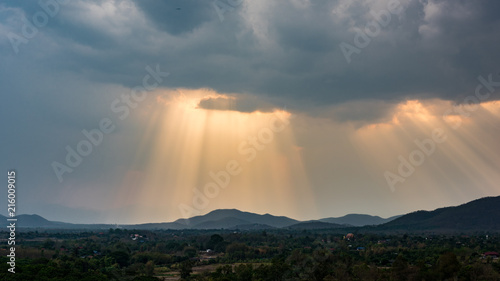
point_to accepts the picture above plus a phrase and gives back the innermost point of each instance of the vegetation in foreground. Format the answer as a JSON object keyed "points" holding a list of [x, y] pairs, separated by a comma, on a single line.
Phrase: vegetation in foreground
{"points": [[119, 254]]}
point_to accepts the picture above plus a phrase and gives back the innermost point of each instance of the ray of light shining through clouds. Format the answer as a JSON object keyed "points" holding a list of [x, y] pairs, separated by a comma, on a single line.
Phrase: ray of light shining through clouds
{"points": [[127, 112]]}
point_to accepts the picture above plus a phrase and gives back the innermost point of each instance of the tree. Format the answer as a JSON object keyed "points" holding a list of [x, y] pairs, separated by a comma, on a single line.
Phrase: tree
{"points": [[216, 238], [49, 244], [186, 268], [190, 252], [121, 257], [149, 268], [448, 265], [244, 272], [400, 268], [216, 243], [237, 250]]}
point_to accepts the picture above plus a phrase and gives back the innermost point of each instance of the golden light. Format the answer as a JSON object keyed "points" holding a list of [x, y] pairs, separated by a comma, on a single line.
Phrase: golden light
{"points": [[187, 151], [187, 145], [493, 107], [463, 154]]}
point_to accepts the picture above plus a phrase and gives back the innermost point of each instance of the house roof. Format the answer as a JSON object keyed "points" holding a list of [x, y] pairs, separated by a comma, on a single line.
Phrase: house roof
{"points": [[491, 254]]}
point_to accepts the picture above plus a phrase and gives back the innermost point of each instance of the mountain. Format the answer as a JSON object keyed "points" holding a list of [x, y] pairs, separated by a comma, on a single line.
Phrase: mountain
{"points": [[34, 221], [315, 225], [236, 217], [218, 219], [228, 222], [161, 225], [253, 226], [478, 215], [359, 220]]}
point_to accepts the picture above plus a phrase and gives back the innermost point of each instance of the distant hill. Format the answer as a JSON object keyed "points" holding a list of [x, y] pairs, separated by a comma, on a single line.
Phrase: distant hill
{"points": [[315, 225], [218, 219], [228, 222], [34, 221], [243, 217], [161, 225], [478, 215], [359, 220], [253, 226]]}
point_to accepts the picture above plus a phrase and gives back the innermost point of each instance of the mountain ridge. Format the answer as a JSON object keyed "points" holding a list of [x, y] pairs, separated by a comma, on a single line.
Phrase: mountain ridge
{"points": [[477, 215], [359, 219], [480, 214]]}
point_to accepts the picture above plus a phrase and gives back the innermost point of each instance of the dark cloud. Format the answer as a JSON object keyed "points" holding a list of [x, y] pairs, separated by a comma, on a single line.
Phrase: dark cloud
{"points": [[179, 16], [287, 50]]}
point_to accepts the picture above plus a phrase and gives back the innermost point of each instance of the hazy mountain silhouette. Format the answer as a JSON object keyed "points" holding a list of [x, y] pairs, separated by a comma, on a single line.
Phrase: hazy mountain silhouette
{"points": [[33, 221], [315, 225], [478, 215], [36, 221], [237, 218], [359, 220]]}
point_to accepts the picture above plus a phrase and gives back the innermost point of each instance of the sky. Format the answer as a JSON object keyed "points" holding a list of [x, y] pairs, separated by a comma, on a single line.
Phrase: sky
{"points": [[149, 111]]}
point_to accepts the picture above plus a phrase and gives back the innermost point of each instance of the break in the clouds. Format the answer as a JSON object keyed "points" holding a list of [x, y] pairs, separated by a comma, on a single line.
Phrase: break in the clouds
{"points": [[66, 65], [241, 103]]}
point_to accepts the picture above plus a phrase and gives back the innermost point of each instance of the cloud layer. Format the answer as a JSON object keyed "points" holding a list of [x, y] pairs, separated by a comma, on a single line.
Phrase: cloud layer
{"points": [[286, 50]]}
